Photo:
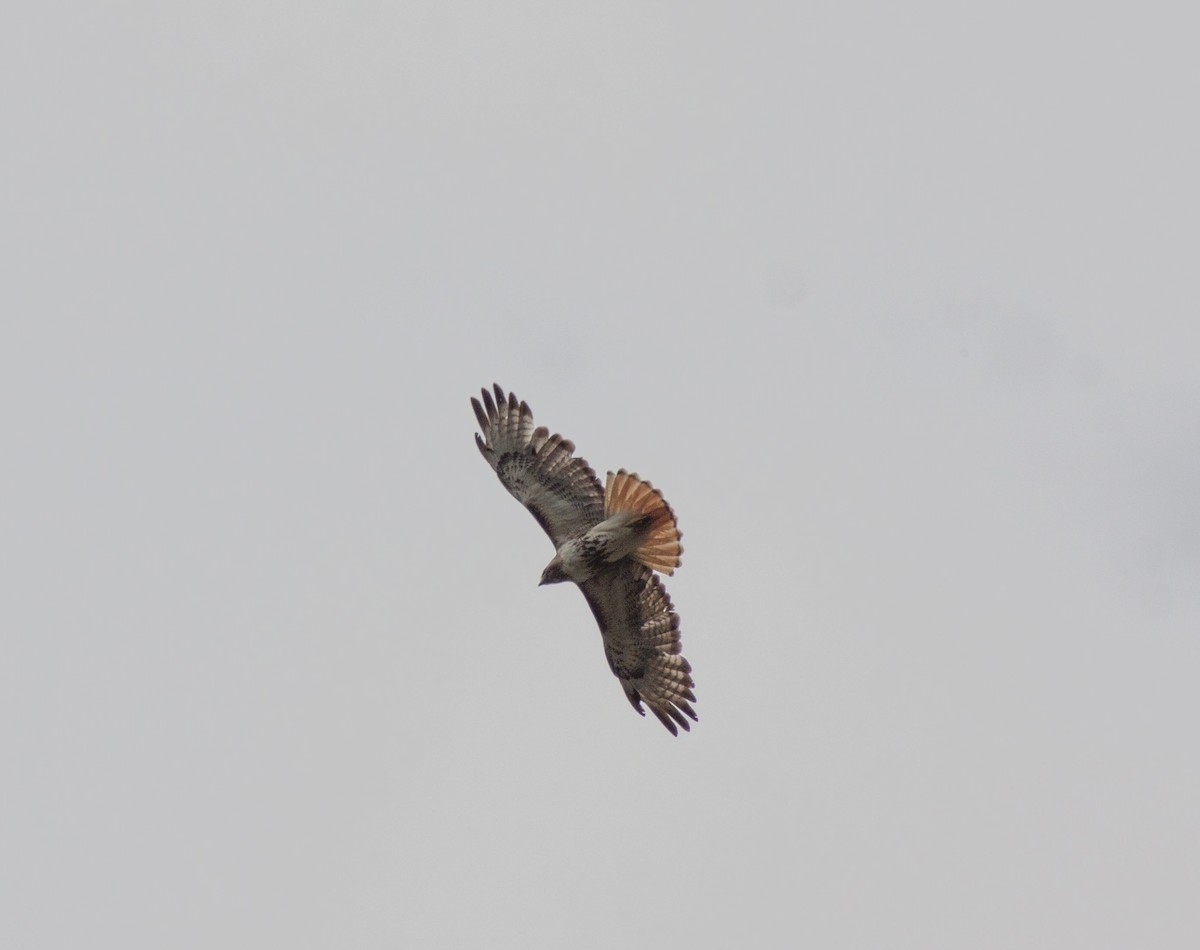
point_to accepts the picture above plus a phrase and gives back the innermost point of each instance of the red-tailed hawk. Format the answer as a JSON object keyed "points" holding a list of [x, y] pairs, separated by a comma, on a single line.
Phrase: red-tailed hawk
{"points": [[609, 540]]}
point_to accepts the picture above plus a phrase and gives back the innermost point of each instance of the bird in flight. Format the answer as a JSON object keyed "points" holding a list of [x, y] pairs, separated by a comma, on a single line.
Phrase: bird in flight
{"points": [[608, 539]]}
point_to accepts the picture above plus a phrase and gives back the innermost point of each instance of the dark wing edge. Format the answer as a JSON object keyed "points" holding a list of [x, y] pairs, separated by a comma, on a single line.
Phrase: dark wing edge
{"points": [[642, 642], [538, 469]]}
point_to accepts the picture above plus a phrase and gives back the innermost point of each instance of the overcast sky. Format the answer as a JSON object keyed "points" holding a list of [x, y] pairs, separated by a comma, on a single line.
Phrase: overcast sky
{"points": [[895, 302]]}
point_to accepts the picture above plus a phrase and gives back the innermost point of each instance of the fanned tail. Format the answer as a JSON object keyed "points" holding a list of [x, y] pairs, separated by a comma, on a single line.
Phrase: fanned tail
{"points": [[660, 548]]}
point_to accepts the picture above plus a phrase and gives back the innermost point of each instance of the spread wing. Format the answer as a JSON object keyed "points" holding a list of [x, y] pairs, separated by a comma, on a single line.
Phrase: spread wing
{"points": [[641, 641], [537, 468]]}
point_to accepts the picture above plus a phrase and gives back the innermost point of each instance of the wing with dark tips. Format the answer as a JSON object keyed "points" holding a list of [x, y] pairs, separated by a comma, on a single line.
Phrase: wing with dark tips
{"points": [[642, 641], [538, 469]]}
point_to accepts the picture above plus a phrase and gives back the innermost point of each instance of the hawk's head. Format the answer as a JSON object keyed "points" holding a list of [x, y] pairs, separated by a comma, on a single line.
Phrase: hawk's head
{"points": [[554, 572]]}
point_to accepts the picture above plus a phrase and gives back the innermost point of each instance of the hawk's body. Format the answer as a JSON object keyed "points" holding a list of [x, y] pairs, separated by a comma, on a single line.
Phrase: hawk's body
{"points": [[609, 540]]}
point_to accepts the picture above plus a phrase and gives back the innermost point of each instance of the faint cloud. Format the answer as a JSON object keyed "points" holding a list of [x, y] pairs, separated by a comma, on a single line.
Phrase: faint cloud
{"points": [[784, 284]]}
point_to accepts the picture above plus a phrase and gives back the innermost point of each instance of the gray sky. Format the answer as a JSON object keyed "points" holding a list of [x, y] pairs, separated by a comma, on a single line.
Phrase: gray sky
{"points": [[895, 302]]}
